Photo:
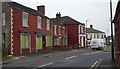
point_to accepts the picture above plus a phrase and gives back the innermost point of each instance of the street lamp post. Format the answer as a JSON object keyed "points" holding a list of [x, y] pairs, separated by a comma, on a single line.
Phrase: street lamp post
{"points": [[85, 32], [86, 23]]}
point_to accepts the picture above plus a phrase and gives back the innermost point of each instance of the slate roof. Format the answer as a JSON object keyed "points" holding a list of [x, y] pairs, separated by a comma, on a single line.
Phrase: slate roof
{"points": [[65, 21], [26, 9], [91, 30]]}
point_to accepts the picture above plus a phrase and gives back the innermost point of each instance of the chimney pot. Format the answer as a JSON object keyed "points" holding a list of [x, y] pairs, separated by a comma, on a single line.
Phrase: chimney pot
{"points": [[91, 26], [58, 15]]}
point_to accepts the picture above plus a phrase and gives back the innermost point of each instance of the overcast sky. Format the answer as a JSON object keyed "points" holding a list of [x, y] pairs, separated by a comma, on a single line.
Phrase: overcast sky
{"points": [[96, 11]]}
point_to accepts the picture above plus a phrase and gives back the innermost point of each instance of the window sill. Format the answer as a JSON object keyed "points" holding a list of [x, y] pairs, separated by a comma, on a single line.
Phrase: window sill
{"points": [[25, 48], [26, 26], [39, 28], [39, 48], [3, 25], [48, 29]]}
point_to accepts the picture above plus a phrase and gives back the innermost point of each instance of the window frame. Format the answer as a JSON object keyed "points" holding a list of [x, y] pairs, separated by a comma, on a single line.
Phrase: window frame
{"points": [[25, 20], [3, 22], [36, 41], [59, 30], [55, 29], [81, 30], [57, 41], [63, 32], [29, 40], [48, 24], [39, 26]]}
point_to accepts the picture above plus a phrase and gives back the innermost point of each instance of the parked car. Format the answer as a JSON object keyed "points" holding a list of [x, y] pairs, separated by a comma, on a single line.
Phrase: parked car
{"points": [[97, 44]]}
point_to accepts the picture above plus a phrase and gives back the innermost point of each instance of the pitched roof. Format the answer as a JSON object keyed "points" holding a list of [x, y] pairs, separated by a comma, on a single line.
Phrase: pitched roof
{"points": [[26, 9], [91, 30], [65, 20]]}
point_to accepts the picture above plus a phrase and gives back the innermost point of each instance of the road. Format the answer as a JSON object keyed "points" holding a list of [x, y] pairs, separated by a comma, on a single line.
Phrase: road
{"points": [[82, 58]]}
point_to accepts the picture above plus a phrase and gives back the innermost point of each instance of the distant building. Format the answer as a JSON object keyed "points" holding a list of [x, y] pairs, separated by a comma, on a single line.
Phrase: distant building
{"points": [[108, 40], [75, 30], [92, 33], [59, 32]]}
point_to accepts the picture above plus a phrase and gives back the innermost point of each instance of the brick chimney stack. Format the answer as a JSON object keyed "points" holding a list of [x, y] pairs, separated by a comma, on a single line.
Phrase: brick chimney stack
{"points": [[91, 26], [41, 9], [58, 15]]}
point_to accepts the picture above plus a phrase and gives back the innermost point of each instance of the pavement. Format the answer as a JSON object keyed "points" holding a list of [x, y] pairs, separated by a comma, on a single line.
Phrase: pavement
{"points": [[105, 63], [45, 53]]}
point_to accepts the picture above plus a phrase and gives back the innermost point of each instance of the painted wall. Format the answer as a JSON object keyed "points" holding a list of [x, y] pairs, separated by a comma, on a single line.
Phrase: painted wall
{"points": [[72, 34], [95, 35], [61, 34], [117, 35], [6, 29], [17, 26]]}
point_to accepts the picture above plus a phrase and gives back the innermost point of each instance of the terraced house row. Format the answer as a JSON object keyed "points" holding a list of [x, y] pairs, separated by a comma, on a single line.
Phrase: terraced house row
{"points": [[25, 30]]}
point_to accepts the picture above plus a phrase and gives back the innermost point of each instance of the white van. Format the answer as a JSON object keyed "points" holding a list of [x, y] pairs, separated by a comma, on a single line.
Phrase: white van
{"points": [[97, 44]]}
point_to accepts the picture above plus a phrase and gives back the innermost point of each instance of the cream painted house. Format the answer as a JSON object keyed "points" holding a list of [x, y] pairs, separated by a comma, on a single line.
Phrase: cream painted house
{"points": [[92, 33]]}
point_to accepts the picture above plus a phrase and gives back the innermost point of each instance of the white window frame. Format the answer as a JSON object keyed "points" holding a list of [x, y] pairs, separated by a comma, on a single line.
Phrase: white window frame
{"points": [[59, 30], [81, 29], [63, 30], [39, 23], [3, 18], [48, 24], [55, 29], [24, 19]]}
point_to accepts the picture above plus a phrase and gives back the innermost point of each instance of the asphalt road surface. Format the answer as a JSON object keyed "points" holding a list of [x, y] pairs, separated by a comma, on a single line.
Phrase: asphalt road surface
{"points": [[82, 58]]}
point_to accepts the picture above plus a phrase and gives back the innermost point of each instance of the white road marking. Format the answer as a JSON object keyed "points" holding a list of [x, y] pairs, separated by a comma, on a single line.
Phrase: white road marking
{"points": [[96, 64], [97, 51], [87, 53], [92, 53], [70, 57], [46, 64]]}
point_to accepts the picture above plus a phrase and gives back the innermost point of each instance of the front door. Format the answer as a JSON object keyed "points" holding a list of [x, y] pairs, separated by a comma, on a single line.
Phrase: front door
{"points": [[44, 41]]}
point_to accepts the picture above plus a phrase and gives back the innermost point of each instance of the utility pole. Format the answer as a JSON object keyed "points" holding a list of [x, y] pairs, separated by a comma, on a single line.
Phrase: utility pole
{"points": [[86, 33], [0, 33], [86, 23], [112, 47]]}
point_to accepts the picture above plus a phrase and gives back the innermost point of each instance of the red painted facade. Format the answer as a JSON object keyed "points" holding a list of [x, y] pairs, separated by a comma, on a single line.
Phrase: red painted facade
{"points": [[59, 32], [75, 30], [30, 38], [62, 33], [72, 34], [32, 23], [76, 35]]}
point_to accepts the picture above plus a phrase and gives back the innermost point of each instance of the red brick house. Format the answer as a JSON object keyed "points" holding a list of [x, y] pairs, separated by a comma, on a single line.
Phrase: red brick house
{"points": [[75, 30], [29, 29], [59, 33], [117, 34]]}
